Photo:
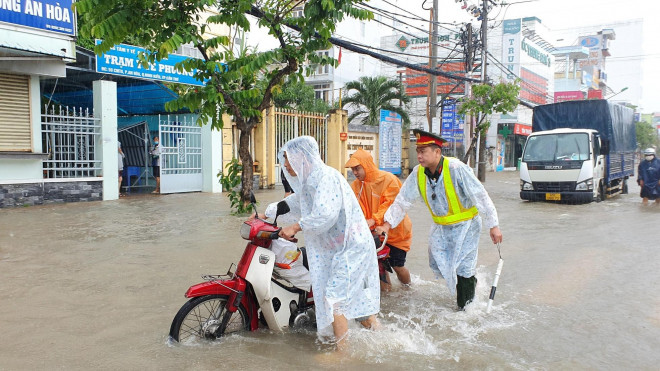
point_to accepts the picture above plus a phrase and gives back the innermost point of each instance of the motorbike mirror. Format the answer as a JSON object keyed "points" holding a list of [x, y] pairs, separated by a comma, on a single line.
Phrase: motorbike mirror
{"points": [[252, 198], [282, 208], [253, 201]]}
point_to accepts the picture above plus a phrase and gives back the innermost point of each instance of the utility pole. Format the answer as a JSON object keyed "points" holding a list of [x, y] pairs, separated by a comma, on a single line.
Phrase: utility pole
{"points": [[481, 147], [433, 80]]}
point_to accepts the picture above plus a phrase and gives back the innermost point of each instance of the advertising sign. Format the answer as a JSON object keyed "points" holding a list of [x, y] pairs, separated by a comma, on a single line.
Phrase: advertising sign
{"points": [[47, 15], [122, 60], [511, 46], [520, 129], [390, 141], [563, 96], [452, 123]]}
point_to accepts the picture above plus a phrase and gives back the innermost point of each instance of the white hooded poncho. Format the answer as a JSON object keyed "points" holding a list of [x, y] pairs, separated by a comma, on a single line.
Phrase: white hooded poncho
{"points": [[340, 248], [452, 248]]}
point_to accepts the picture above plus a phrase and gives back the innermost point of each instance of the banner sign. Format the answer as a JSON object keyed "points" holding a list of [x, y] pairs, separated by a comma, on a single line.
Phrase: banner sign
{"points": [[520, 129], [47, 15], [122, 60], [389, 132], [452, 122]]}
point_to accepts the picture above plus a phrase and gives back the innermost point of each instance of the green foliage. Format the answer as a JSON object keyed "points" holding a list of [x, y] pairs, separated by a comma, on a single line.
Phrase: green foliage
{"points": [[238, 83], [647, 135], [230, 183], [299, 96], [373, 94], [487, 99]]}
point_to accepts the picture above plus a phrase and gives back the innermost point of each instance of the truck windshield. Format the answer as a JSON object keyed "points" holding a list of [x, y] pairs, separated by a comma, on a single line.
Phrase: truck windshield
{"points": [[557, 147]]}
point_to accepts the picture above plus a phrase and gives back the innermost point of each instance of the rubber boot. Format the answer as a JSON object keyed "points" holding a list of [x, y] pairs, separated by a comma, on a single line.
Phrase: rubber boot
{"points": [[465, 288]]}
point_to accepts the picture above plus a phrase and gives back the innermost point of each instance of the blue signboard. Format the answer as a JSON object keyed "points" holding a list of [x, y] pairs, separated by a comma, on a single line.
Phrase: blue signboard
{"points": [[122, 60], [452, 122], [390, 142], [47, 15]]}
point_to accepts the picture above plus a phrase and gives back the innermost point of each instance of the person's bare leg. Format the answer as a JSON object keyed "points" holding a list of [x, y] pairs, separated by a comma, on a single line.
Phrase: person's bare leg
{"points": [[385, 283], [340, 328], [402, 274], [157, 184], [371, 323], [120, 179], [645, 201]]}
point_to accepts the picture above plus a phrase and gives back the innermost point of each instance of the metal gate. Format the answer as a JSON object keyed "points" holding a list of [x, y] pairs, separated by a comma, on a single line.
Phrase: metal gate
{"points": [[181, 154], [290, 124]]}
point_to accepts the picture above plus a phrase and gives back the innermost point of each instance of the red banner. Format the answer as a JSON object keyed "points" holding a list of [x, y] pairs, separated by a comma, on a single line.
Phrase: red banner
{"points": [[520, 129]]}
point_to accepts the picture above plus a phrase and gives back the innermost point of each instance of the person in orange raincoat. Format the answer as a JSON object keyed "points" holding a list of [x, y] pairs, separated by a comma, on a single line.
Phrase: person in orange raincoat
{"points": [[376, 190]]}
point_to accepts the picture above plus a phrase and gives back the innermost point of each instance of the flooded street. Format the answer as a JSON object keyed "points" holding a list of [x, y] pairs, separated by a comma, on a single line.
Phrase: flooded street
{"points": [[95, 286]]}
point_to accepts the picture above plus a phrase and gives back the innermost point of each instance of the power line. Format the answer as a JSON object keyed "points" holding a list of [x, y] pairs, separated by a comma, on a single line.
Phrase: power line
{"points": [[256, 12]]}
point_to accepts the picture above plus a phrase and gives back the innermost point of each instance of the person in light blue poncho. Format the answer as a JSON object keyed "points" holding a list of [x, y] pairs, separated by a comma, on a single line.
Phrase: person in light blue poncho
{"points": [[457, 201], [341, 251]]}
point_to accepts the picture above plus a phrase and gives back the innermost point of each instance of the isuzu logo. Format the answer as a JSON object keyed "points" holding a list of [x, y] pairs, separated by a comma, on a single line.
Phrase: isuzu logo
{"points": [[263, 259], [554, 167]]}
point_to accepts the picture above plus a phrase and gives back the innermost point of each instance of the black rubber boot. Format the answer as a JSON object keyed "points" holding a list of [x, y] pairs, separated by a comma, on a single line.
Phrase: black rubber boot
{"points": [[465, 288]]}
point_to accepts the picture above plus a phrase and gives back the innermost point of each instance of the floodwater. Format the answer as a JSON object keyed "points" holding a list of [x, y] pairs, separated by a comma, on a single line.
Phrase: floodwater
{"points": [[96, 285]]}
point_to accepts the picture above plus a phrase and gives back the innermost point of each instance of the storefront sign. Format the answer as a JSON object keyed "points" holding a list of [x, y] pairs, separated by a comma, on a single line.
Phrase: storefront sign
{"points": [[595, 94], [520, 129], [544, 58], [122, 60], [390, 142], [47, 15], [563, 96], [511, 46]]}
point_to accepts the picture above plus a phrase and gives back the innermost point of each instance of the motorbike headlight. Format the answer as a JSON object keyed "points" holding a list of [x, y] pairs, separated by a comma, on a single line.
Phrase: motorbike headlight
{"points": [[245, 231], [526, 186], [587, 185]]}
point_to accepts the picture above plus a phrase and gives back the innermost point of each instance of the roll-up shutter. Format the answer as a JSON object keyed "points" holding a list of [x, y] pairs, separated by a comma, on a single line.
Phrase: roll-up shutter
{"points": [[15, 126]]}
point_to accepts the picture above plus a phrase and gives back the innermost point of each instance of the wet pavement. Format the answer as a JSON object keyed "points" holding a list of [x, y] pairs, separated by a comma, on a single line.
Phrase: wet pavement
{"points": [[95, 286]]}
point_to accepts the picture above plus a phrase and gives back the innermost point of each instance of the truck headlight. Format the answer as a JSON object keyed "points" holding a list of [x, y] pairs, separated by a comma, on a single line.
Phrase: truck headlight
{"points": [[587, 185], [524, 186]]}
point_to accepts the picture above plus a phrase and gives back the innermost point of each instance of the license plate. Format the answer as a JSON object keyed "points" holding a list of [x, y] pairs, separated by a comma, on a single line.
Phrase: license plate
{"points": [[553, 196]]}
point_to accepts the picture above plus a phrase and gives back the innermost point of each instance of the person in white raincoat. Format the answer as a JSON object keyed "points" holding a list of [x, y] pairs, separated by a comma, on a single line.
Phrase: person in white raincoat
{"points": [[456, 209], [340, 248]]}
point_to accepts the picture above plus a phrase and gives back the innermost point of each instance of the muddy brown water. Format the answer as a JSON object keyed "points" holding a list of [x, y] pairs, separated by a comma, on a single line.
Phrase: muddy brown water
{"points": [[96, 285]]}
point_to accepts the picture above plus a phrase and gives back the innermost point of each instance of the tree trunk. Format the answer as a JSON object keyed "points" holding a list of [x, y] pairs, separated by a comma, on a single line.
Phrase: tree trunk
{"points": [[246, 161], [482, 158]]}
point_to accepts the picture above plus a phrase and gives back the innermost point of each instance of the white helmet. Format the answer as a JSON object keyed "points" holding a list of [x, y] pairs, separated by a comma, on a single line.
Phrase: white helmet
{"points": [[649, 151]]}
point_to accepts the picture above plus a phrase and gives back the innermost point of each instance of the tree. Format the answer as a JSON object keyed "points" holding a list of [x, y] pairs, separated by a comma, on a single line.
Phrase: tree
{"points": [[486, 99], [299, 96], [373, 94], [231, 81], [647, 135]]}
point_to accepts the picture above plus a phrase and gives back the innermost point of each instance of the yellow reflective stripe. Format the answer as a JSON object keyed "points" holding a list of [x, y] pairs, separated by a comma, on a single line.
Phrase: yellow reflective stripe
{"points": [[456, 213]]}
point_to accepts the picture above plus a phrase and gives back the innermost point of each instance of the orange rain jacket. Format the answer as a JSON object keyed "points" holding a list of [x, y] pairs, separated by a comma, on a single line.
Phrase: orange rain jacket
{"points": [[376, 194]]}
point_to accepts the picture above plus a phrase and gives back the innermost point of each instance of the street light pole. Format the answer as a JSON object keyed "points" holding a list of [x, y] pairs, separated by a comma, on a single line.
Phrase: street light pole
{"points": [[615, 94]]}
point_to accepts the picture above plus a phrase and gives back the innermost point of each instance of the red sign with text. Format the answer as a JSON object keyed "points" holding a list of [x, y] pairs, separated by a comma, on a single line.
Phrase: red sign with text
{"points": [[520, 129]]}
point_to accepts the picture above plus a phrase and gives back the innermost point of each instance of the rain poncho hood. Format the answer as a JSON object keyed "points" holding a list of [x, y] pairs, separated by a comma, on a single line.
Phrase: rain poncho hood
{"points": [[375, 196], [340, 249], [452, 248]]}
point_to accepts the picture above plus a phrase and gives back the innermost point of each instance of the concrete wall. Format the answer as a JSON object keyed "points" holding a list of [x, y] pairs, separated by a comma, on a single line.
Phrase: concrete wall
{"points": [[51, 191]]}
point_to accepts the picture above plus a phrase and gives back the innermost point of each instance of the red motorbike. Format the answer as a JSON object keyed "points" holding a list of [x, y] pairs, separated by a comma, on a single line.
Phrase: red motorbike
{"points": [[250, 294]]}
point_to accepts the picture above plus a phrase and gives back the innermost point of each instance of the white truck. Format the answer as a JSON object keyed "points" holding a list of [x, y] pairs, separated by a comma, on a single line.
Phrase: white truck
{"points": [[579, 151]]}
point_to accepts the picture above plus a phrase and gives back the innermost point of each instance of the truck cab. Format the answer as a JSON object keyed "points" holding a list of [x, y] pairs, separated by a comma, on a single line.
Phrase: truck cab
{"points": [[567, 165]]}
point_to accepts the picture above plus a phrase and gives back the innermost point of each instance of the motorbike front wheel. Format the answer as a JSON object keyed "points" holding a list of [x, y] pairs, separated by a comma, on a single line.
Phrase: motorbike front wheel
{"points": [[207, 318]]}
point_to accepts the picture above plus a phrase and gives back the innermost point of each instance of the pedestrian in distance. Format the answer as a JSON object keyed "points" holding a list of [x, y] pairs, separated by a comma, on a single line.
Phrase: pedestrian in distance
{"points": [[120, 165], [648, 177], [340, 248], [457, 201], [376, 190], [156, 161]]}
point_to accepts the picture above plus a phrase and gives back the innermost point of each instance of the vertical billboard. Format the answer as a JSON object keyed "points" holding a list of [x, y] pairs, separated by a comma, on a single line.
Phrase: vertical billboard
{"points": [[511, 47], [390, 142]]}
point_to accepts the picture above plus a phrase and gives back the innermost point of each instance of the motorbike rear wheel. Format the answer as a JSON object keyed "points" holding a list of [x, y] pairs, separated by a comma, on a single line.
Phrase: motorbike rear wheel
{"points": [[206, 318]]}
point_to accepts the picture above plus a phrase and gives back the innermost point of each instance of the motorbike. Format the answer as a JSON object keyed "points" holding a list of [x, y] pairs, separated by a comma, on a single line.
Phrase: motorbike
{"points": [[250, 293]]}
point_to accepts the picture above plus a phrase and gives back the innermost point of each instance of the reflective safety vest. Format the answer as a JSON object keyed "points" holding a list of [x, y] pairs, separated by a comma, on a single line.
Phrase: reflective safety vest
{"points": [[457, 213]]}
